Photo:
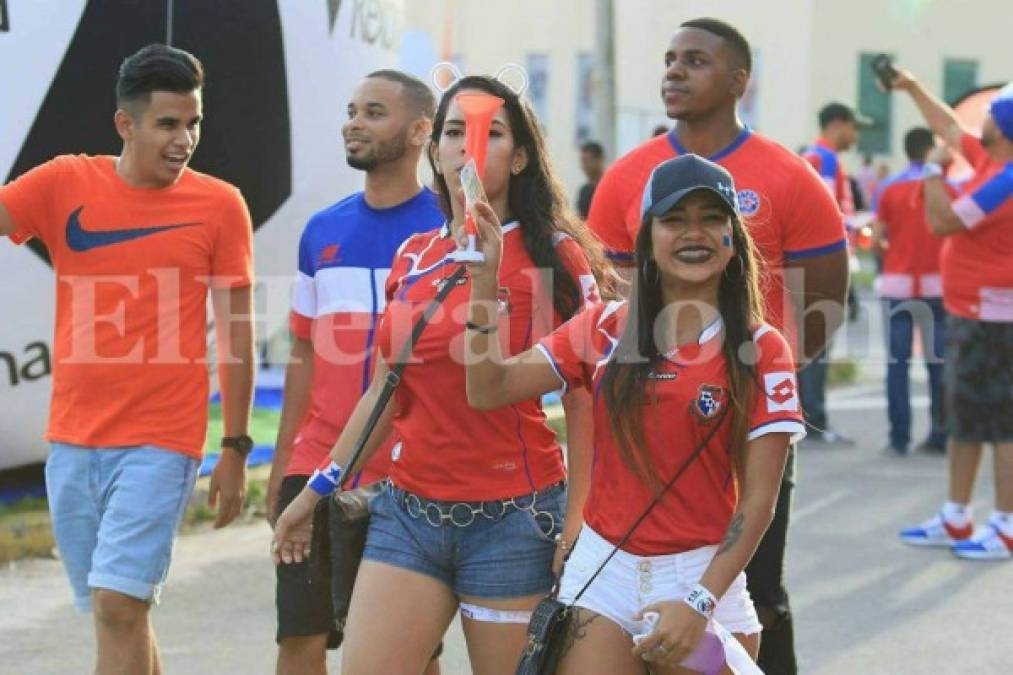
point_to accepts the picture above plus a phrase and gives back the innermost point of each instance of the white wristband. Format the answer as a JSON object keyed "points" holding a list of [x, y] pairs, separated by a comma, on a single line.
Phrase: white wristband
{"points": [[702, 600], [326, 481]]}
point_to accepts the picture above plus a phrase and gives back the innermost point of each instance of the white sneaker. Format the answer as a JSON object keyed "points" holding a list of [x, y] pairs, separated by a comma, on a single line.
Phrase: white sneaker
{"points": [[935, 532], [988, 543]]}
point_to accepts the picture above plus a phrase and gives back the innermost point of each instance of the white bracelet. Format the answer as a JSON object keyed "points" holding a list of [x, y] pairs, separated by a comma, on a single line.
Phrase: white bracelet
{"points": [[325, 482], [702, 600]]}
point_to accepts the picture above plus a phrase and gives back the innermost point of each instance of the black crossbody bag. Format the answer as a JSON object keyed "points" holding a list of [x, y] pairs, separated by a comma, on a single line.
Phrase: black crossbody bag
{"points": [[551, 618], [340, 523]]}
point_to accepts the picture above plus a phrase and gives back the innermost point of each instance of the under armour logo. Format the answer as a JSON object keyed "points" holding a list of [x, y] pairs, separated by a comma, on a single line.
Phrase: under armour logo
{"points": [[726, 190]]}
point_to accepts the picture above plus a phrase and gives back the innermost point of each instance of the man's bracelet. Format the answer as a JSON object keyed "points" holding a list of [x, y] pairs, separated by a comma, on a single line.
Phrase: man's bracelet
{"points": [[702, 600], [325, 482], [484, 330]]}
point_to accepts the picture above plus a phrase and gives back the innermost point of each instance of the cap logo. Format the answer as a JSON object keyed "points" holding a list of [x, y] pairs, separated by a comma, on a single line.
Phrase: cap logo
{"points": [[726, 190]]}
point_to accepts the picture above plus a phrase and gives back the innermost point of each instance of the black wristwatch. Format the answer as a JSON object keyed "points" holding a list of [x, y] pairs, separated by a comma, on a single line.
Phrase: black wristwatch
{"points": [[241, 444]]}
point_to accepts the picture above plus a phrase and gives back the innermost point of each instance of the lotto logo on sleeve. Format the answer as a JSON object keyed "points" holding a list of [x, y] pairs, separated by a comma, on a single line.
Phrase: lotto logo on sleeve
{"points": [[782, 392]]}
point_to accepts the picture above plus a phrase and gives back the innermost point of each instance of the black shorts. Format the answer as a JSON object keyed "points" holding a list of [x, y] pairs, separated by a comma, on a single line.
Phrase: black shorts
{"points": [[978, 380], [303, 599]]}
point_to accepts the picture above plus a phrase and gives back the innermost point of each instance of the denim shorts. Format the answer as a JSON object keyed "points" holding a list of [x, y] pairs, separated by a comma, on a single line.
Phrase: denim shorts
{"points": [[505, 553], [115, 512]]}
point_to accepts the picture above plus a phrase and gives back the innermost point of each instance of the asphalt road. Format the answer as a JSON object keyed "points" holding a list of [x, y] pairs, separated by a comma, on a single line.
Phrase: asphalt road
{"points": [[864, 603]]}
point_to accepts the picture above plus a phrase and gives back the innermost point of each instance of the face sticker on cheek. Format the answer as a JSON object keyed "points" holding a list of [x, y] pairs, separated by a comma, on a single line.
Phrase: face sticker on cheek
{"points": [[726, 238]]}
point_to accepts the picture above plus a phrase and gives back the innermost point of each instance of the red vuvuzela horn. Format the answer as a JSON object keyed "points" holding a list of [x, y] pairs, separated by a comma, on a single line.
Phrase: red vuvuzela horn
{"points": [[478, 108]]}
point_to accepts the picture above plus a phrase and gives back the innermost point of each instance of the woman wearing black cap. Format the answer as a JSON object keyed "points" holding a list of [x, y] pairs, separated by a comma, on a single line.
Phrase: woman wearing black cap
{"points": [[688, 381]]}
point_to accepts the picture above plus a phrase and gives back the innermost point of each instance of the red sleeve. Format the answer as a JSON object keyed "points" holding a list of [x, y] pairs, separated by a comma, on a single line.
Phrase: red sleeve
{"points": [[972, 150], [232, 259], [29, 199], [776, 403], [570, 349], [812, 224], [607, 218], [575, 261]]}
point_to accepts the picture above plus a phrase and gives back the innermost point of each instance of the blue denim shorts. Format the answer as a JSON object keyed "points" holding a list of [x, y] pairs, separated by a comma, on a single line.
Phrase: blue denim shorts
{"points": [[115, 512], [502, 552]]}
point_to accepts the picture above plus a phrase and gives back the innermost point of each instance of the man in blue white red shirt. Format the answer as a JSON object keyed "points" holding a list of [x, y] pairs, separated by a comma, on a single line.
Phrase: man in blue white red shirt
{"points": [[345, 255], [911, 289], [977, 271], [839, 127]]}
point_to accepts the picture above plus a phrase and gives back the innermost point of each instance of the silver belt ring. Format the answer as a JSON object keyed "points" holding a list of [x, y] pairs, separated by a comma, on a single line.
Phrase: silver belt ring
{"points": [[413, 505], [466, 510]]}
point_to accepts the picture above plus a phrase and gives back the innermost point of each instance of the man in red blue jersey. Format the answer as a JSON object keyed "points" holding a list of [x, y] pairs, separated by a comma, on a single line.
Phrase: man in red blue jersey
{"points": [[911, 289], [977, 271], [794, 221], [838, 133], [345, 255]]}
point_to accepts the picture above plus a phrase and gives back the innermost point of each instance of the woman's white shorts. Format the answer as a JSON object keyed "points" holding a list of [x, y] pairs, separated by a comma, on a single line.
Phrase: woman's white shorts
{"points": [[629, 582]]}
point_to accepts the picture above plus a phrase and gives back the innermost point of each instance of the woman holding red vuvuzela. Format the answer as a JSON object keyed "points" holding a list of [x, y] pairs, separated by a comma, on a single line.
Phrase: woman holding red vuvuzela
{"points": [[694, 406], [475, 499]]}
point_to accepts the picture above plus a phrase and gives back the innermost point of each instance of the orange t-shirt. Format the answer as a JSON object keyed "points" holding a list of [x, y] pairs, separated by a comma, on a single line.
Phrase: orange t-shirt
{"points": [[133, 271]]}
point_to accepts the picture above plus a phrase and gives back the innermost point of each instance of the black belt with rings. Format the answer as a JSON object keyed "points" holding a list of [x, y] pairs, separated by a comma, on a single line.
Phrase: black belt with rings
{"points": [[462, 514]]}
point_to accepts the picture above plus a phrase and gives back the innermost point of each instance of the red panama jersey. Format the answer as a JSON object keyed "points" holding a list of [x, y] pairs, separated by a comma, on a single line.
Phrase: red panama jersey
{"points": [[977, 264], [689, 389], [787, 210], [911, 261], [448, 450]]}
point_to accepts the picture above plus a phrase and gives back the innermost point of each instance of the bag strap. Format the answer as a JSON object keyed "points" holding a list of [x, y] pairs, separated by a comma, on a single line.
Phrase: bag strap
{"points": [[654, 502], [393, 378]]}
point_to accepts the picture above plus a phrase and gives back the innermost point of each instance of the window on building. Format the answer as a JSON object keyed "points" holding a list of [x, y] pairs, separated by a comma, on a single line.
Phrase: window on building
{"points": [[960, 77], [4, 25], [538, 86], [876, 104]]}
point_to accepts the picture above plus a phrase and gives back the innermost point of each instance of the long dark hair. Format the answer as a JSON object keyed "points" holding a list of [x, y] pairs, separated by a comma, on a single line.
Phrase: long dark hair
{"points": [[535, 198], [625, 381]]}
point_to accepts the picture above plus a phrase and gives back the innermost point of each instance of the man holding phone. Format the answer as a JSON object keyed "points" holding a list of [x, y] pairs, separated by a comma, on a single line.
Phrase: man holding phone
{"points": [[978, 295]]}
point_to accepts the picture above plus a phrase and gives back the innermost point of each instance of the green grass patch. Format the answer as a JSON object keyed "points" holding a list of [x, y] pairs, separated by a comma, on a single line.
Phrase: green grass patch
{"points": [[25, 505], [842, 373], [263, 427]]}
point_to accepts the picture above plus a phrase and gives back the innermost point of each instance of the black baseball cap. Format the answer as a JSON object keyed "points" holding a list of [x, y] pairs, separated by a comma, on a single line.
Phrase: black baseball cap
{"points": [[833, 112], [674, 179]]}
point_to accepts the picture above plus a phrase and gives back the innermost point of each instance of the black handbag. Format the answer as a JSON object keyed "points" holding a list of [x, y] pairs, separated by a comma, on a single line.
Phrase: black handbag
{"points": [[550, 620], [340, 523]]}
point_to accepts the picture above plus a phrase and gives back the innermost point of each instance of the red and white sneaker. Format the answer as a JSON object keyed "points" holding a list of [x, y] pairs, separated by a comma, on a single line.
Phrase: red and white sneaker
{"points": [[936, 532], [988, 543]]}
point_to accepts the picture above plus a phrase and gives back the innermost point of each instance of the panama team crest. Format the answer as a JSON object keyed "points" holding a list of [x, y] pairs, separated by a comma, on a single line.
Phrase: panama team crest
{"points": [[710, 400], [749, 202]]}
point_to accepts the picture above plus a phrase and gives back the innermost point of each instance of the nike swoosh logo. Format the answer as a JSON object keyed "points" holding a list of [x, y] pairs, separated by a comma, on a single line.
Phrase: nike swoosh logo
{"points": [[80, 240]]}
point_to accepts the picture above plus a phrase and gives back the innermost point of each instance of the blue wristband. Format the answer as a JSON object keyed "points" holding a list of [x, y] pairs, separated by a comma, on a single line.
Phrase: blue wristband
{"points": [[325, 482]]}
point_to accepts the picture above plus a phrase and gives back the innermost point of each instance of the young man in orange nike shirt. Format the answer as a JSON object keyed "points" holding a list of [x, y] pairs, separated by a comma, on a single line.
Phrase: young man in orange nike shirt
{"points": [[137, 241]]}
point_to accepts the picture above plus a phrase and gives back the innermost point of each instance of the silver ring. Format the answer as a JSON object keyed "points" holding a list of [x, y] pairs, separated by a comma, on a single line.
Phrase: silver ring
{"points": [[470, 515], [413, 505], [430, 507]]}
